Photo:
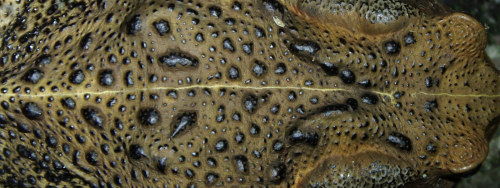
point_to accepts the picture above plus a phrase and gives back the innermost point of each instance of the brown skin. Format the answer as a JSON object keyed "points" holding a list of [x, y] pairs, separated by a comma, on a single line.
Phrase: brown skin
{"points": [[238, 93]]}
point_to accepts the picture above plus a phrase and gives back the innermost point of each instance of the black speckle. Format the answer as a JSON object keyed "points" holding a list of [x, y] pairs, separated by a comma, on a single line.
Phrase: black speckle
{"points": [[431, 148], [259, 68], [93, 116], [183, 122], [392, 47], [409, 39], [329, 69], [228, 45], [26, 152], [215, 11], [353, 103], [369, 98], [400, 141], [199, 37], [32, 111], [162, 27], [259, 32], [241, 163], [51, 141], [134, 25], [278, 145], [430, 105], [277, 172], [68, 103], [211, 178], [106, 77], [136, 152], [86, 41], [92, 157], [254, 129], [221, 145], [250, 103], [280, 69], [428, 82], [304, 48], [239, 138], [33, 76], [347, 76], [248, 48], [297, 136], [77, 77], [149, 116], [174, 60], [233, 73]]}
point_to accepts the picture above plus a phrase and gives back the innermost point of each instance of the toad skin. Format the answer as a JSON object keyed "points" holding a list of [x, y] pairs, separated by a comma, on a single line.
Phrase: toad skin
{"points": [[230, 93]]}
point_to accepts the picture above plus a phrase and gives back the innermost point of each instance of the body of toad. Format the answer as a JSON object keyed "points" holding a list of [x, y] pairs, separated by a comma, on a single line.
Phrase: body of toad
{"points": [[238, 93]]}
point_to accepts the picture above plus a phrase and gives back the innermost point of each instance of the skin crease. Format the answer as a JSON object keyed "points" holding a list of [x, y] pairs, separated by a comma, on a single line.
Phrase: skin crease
{"points": [[276, 93]]}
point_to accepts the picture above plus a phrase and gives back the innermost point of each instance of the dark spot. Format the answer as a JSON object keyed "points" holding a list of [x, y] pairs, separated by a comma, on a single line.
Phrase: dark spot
{"points": [[128, 78], [329, 69], [211, 178], [369, 98], [23, 128], [77, 77], [240, 163], [431, 148], [149, 116], [33, 76], [162, 164], [297, 136], [228, 45], [215, 11], [247, 48], [93, 116], [189, 173], [304, 48], [347, 76], [25, 152], [365, 83], [174, 60], [136, 152], [259, 32], [32, 111], [134, 25], [68, 103], [428, 82], [51, 141], [43, 60], [409, 39], [86, 41], [400, 141], [280, 68], [183, 122], [250, 103], [258, 68], [233, 73], [199, 37], [221, 145], [277, 172], [430, 105], [162, 27], [239, 138], [91, 157], [106, 77], [392, 47], [278, 145], [353, 103], [211, 162], [275, 109], [254, 129], [273, 6]]}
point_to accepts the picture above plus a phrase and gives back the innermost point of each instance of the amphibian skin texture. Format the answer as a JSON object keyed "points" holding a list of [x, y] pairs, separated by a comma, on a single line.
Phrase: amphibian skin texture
{"points": [[233, 93]]}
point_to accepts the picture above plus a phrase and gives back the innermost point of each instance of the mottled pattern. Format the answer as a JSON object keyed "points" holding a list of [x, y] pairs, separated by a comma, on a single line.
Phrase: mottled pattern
{"points": [[184, 93]]}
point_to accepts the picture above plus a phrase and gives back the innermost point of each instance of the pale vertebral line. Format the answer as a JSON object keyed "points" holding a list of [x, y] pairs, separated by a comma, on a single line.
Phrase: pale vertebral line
{"points": [[390, 95]]}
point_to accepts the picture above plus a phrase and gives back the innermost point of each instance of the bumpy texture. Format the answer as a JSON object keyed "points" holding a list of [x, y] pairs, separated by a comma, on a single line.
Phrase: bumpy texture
{"points": [[236, 93]]}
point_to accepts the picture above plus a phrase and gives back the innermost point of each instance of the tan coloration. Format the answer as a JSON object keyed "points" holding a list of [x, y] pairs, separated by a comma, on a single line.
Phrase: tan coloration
{"points": [[238, 93]]}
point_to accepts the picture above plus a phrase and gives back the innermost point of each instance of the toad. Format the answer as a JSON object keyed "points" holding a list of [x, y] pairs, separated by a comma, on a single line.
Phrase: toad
{"points": [[229, 93]]}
